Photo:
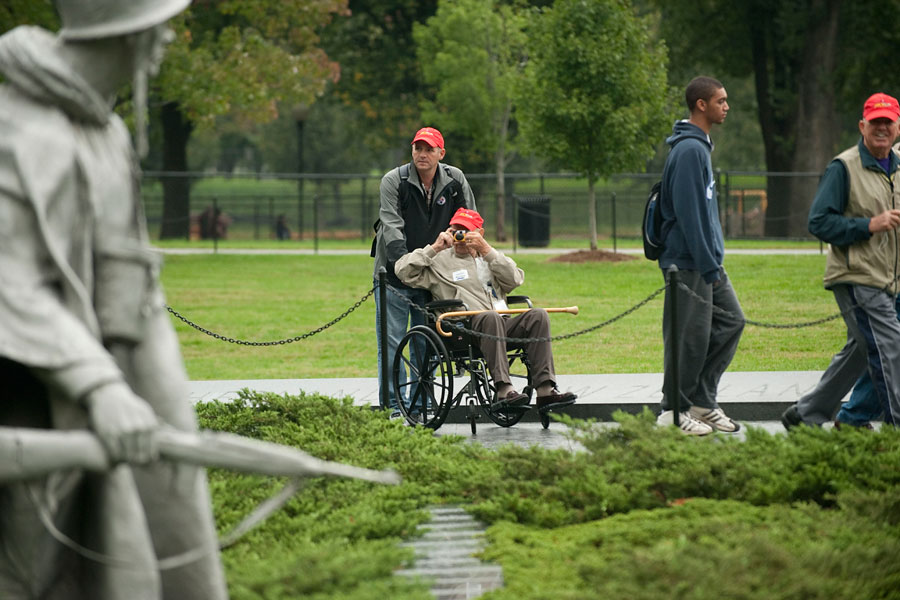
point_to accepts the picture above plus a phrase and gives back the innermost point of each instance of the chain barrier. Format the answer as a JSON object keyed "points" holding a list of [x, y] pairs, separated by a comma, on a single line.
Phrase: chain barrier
{"points": [[298, 338], [500, 338], [734, 317]]}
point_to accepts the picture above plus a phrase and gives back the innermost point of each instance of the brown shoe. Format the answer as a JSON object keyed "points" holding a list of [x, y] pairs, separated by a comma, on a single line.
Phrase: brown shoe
{"points": [[512, 398], [555, 400]]}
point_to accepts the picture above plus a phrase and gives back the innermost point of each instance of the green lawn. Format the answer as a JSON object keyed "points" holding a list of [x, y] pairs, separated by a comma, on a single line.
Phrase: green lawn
{"points": [[265, 298]]}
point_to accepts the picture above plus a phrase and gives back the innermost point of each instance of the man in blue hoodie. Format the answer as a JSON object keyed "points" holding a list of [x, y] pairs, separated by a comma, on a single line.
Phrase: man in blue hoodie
{"points": [[706, 338]]}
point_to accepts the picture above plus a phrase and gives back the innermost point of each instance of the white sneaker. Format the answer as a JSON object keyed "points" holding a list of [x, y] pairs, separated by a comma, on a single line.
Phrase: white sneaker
{"points": [[715, 418], [689, 425]]}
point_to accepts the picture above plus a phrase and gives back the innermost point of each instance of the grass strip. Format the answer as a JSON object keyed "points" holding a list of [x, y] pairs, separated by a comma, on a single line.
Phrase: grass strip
{"points": [[267, 298]]}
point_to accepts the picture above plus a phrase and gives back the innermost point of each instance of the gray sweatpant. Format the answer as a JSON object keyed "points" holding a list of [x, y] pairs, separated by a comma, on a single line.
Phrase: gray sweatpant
{"points": [[706, 341], [873, 343]]}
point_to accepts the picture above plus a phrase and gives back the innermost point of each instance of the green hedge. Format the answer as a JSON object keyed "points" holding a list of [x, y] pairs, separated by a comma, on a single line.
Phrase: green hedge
{"points": [[643, 512]]}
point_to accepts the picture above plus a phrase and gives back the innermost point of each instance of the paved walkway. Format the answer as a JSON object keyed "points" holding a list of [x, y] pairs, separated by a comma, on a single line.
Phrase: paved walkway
{"points": [[744, 395]]}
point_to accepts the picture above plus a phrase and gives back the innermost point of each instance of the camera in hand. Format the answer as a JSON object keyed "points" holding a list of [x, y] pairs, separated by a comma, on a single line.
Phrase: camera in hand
{"points": [[459, 235]]}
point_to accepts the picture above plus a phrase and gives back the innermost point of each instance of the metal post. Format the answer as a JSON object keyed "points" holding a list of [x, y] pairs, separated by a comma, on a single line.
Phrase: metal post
{"points": [[515, 222], [316, 224], [215, 225], [256, 220], [674, 391], [382, 327], [364, 212], [614, 220]]}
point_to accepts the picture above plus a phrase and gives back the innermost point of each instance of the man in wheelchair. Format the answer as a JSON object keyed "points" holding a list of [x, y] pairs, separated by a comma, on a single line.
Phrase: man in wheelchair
{"points": [[461, 265]]}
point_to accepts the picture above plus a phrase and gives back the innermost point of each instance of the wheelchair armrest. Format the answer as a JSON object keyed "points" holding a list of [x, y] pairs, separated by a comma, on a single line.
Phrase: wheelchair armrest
{"points": [[444, 305], [519, 300]]}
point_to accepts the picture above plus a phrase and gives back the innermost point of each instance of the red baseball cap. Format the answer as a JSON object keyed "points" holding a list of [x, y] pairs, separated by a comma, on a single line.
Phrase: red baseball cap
{"points": [[430, 136], [881, 106], [467, 218]]}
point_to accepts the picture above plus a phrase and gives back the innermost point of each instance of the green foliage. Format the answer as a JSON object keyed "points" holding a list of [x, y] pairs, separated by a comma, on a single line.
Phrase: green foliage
{"points": [[28, 12], [642, 512], [380, 76], [594, 98], [472, 53], [243, 58]]}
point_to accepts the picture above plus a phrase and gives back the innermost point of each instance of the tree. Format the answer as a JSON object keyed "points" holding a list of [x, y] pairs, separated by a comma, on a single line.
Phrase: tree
{"points": [[813, 62], [473, 52], [594, 98], [380, 75], [242, 58]]}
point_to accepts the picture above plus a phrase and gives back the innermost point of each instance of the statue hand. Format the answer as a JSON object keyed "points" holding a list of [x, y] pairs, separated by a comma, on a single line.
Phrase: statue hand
{"points": [[124, 422]]}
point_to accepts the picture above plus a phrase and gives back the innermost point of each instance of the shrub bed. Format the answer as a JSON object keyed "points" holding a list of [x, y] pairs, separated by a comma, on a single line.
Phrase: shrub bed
{"points": [[643, 512]]}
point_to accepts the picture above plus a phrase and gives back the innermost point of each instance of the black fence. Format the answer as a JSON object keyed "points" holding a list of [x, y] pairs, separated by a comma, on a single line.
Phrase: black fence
{"points": [[537, 206]]}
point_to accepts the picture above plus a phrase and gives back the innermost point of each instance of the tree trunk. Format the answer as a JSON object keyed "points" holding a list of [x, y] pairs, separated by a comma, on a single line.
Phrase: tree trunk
{"points": [[800, 139], [177, 130]]}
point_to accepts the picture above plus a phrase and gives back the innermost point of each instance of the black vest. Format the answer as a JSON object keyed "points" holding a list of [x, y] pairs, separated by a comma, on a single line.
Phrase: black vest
{"points": [[421, 223]]}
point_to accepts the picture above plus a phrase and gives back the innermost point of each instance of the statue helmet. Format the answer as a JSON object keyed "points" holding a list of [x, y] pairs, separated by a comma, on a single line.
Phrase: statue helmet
{"points": [[93, 19]]}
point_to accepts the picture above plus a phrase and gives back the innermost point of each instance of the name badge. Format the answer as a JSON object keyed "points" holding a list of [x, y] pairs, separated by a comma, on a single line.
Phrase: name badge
{"points": [[460, 275]]}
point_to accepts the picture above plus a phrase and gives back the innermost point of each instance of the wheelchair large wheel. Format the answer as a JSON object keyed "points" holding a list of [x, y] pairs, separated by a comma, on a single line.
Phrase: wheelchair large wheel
{"points": [[423, 375], [484, 388]]}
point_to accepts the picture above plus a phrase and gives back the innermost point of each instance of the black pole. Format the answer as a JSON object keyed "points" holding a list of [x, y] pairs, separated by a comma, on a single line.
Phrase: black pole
{"points": [[382, 327], [515, 223], [316, 224], [614, 221], [215, 225], [674, 390]]}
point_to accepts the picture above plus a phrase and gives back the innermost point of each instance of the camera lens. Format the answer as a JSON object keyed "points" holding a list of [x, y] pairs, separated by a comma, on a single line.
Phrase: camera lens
{"points": [[459, 235]]}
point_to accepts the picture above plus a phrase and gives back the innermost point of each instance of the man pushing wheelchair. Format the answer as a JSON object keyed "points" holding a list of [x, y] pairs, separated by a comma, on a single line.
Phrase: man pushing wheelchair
{"points": [[461, 265]]}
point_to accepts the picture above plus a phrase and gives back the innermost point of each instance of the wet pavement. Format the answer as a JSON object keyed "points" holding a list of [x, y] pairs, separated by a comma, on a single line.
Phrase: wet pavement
{"points": [[557, 436]]}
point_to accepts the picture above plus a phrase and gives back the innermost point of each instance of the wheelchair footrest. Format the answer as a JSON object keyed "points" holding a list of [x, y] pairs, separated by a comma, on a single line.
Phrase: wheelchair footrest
{"points": [[511, 409]]}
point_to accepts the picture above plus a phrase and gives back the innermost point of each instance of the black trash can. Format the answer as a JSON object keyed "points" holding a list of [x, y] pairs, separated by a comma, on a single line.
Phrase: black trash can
{"points": [[534, 221]]}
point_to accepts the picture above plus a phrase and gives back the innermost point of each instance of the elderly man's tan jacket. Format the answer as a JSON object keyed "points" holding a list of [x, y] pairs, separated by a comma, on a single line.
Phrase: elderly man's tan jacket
{"points": [[447, 275]]}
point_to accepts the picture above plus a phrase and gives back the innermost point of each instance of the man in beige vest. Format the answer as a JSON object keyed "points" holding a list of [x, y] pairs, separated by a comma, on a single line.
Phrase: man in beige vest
{"points": [[85, 341], [857, 212]]}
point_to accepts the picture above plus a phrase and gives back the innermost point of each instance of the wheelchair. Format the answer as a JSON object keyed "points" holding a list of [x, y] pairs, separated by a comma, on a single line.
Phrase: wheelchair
{"points": [[426, 365]]}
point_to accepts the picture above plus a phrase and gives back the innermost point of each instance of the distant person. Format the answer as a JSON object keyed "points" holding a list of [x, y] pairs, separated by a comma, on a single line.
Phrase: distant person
{"points": [[854, 211], [214, 223], [472, 271], [705, 339], [85, 339], [282, 231], [417, 201]]}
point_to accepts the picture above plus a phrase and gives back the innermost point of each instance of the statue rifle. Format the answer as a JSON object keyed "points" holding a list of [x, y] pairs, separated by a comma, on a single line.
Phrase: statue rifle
{"points": [[27, 453]]}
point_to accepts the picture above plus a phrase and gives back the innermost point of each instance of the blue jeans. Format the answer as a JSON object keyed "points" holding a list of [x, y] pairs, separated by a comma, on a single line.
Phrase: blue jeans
{"points": [[863, 405], [400, 316]]}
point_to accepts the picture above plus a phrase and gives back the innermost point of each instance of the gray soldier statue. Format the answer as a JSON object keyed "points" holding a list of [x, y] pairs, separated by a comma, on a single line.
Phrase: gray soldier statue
{"points": [[85, 342]]}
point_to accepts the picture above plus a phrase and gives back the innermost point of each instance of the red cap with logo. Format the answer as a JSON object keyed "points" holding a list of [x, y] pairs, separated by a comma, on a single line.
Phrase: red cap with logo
{"points": [[430, 136], [881, 106], [469, 219]]}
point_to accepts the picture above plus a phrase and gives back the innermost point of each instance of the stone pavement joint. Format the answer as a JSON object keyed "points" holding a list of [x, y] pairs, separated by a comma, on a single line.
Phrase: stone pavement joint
{"points": [[743, 395], [444, 556]]}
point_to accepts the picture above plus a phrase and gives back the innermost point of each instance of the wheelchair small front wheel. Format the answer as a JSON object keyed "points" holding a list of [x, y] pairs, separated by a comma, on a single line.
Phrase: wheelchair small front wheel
{"points": [[504, 417], [423, 377], [545, 418]]}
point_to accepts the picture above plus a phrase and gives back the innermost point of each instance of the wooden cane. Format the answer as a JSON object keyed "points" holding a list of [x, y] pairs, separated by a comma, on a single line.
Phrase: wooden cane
{"points": [[572, 310]]}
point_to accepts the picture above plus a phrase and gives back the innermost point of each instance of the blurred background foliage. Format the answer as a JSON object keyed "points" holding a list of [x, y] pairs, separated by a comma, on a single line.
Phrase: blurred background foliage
{"points": [[340, 86]]}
